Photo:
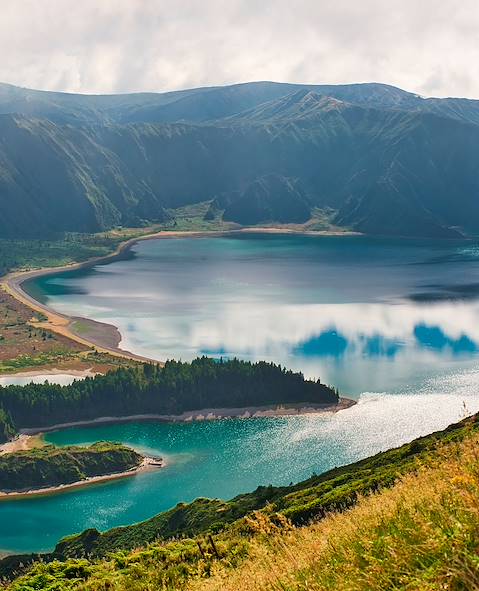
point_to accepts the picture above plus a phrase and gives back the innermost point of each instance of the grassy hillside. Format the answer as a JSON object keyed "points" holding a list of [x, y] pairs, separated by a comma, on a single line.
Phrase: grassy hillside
{"points": [[50, 466], [422, 534], [23, 343], [404, 519], [312, 498]]}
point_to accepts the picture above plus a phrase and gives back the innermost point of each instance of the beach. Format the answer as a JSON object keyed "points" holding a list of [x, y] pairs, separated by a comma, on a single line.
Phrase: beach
{"points": [[21, 442]]}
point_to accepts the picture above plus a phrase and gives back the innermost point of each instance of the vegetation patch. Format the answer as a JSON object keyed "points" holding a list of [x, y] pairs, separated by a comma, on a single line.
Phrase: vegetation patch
{"points": [[63, 249], [23, 344], [50, 466], [169, 390]]}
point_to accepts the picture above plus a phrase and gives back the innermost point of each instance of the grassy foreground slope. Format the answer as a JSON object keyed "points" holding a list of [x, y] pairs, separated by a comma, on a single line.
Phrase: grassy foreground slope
{"points": [[422, 534], [51, 466], [404, 519]]}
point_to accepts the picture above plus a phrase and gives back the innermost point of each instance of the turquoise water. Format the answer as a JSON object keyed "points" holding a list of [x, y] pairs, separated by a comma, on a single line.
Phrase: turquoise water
{"points": [[395, 324], [225, 458]]}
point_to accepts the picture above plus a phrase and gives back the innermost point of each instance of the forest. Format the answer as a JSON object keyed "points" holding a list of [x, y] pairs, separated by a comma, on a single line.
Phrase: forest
{"points": [[171, 389]]}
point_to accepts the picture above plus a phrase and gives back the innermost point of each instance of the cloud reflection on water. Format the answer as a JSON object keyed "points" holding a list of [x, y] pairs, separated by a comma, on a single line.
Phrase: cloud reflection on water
{"points": [[365, 314]]}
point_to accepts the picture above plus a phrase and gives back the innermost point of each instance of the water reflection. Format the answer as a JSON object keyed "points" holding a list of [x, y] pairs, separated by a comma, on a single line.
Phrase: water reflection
{"points": [[58, 378], [435, 338], [365, 314]]}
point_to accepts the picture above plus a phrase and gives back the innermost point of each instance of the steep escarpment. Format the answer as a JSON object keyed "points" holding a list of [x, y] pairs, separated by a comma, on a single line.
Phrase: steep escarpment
{"points": [[267, 199], [382, 160]]}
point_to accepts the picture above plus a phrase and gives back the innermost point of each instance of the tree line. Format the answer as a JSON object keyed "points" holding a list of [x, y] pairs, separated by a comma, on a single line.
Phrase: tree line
{"points": [[174, 388]]}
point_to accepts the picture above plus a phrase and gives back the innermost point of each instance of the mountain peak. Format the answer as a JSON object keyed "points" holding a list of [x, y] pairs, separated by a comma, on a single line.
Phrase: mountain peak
{"points": [[304, 103]]}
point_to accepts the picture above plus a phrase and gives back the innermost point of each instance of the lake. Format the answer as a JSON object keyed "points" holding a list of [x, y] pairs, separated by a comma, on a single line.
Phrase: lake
{"points": [[392, 323], [64, 379], [363, 314]]}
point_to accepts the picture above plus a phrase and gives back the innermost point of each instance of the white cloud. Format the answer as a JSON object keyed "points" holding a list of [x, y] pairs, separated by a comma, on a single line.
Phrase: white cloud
{"points": [[430, 47]]}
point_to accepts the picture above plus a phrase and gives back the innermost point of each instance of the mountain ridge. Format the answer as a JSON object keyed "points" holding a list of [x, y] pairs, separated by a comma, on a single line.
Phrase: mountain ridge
{"points": [[383, 160]]}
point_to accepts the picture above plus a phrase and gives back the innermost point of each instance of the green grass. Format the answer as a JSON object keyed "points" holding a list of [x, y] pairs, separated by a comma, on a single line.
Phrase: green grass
{"points": [[422, 534], [80, 327], [51, 358], [191, 218]]}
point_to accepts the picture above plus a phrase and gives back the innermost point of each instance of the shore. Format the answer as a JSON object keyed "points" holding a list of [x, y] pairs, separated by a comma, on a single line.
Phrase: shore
{"points": [[33, 437], [204, 414], [53, 371], [146, 464], [89, 372], [101, 336]]}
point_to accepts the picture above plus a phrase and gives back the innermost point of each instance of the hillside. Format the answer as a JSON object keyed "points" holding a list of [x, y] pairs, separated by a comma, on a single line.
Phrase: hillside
{"points": [[416, 528], [378, 159], [50, 466]]}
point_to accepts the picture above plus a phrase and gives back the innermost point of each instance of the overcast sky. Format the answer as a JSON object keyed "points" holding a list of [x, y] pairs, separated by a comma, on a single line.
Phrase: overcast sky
{"points": [[97, 46]]}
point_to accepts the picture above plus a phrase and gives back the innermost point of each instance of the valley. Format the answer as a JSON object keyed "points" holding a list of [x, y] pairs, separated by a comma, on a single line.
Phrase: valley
{"points": [[286, 254]]}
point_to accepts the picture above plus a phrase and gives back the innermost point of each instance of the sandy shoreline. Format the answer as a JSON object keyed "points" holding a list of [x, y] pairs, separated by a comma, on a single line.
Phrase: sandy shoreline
{"points": [[32, 437], [146, 464], [104, 337], [21, 442], [204, 414]]}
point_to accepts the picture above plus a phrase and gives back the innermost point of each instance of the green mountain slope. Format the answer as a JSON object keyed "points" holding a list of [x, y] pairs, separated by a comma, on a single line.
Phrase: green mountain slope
{"points": [[386, 161], [213, 103]]}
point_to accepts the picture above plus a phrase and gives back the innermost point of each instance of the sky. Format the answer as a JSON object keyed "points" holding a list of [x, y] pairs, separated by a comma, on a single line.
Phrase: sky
{"points": [[106, 46]]}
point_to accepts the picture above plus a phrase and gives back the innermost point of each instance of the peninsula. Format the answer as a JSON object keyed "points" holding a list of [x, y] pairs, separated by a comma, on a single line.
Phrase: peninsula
{"points": [[48, 469], [164, 392]]}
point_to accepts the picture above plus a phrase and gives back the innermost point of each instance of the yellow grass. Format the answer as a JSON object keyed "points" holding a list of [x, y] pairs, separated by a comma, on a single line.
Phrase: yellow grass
{"points": [[423, 534]]}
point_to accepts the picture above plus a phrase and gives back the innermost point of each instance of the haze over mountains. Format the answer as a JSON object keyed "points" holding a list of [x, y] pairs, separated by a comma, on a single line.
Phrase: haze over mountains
{"points": [[378, 159]]}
